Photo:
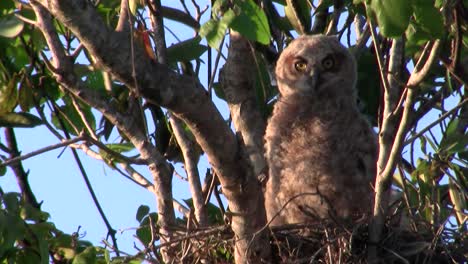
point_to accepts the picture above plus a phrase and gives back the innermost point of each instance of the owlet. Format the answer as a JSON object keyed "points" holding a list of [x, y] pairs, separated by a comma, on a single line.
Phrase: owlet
{"points": [[320, 150]]}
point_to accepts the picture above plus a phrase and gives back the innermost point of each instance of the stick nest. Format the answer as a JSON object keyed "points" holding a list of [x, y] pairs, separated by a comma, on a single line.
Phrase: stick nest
{"points": [[330, 243]]}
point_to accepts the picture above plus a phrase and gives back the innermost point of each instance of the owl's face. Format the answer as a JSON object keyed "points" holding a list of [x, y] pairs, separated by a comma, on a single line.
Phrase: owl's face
{"points": [[314, 66]]}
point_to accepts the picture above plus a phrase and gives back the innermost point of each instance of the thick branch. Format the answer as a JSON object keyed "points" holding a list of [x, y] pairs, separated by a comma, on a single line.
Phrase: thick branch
{"points": [[129, 123], [183, 95], [238, 81]]}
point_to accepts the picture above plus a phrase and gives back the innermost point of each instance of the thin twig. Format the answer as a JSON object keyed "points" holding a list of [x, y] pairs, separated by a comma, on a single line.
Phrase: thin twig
{"points": [[435, 122], [64, 143]]}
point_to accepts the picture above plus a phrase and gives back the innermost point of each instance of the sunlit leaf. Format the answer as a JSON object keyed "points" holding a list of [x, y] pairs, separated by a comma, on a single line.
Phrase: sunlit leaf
{"points": [[214, 30], [459, 202], [10, 26], [299, 15], [392, 16], [122, 147], [251, 22], [29, 212], [86, 257]]}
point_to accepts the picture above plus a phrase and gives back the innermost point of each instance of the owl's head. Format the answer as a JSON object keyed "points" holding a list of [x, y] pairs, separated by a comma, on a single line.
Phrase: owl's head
{"points": [[316, 66]]}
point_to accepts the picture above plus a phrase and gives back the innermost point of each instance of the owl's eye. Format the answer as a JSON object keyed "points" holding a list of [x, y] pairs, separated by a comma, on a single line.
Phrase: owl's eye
{"points": [[328, 63], [300, 66]]}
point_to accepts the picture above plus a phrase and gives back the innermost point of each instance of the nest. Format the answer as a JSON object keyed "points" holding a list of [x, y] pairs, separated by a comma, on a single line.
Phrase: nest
{"points": [[328, 243]]}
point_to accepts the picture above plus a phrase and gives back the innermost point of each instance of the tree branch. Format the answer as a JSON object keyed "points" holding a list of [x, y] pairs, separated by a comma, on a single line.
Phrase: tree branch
{"points": [[437, 121], [237, 80], [21, 176], [183, 95], [129, 122], [190, 161], [385, 173], [64, 143]]}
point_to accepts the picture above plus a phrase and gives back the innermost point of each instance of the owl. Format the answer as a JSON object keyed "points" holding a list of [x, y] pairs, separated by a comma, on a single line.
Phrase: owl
{"points": [[320, 150]]}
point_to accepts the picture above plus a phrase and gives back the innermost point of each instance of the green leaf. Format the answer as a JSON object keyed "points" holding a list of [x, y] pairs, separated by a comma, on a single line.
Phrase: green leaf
{"points": [[122, 147], [10, 26], [392, 16], [214, 30], [8, 95], [41, 232], [71, 119], [459, 202], [142, 211], [25, 97], [219, 91], [3, 170], [29, 212], [88, 256], [298, 14], [11, 202], [93, 78], [368, 84], [28, 255], [7, 7], [143, 234], [186, 50], [453, 141], [251, 22], [22, 119], [428, 18], [144, 231]]}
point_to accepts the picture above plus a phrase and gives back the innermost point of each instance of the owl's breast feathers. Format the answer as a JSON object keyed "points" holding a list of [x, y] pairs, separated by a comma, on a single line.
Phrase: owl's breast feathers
{"points": [[320, 146]]}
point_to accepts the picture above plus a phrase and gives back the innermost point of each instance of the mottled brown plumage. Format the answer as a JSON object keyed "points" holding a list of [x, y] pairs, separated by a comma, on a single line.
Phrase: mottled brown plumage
{"points": [[319, 148]]}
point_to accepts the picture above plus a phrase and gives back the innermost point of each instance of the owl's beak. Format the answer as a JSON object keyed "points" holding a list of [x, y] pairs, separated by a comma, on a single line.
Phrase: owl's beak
{"points": [[313, 77]]}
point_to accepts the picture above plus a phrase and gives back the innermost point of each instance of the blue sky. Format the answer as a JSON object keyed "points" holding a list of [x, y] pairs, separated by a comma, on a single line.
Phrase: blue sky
{"points": [[57, 182]]}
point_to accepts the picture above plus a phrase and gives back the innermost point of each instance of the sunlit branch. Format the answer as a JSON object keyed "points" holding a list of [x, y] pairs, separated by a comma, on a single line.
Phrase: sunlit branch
{"points": [[64, 143], [190, 161]]}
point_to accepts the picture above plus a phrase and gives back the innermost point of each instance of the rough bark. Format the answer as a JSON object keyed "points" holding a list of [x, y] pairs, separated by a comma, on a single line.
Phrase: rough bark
{"points": [[238, 81], [130, 123], [184, 96], [190, 161]]}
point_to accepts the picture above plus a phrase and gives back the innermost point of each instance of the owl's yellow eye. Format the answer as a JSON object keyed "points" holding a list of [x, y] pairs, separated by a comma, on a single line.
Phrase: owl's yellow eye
{"points": [[328, 63], [300, 66]]}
